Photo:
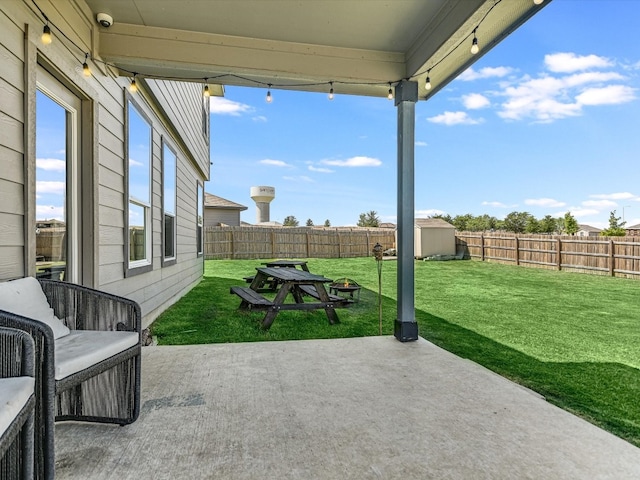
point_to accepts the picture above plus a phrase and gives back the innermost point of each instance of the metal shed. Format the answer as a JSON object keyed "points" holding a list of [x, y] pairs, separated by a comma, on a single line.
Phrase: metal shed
{"points": [[434, 236]]}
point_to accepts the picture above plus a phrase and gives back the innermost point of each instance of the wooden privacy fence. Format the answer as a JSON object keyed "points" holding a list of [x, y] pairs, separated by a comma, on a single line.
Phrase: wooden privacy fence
{"points": [[293, 242], [615, 256]]}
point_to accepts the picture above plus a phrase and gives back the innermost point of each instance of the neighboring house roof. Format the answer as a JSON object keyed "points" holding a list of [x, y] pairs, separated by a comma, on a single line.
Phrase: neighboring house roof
{"points": [[432, 223], [588, 228], [633, 227], [218, 202], [387, 225]]}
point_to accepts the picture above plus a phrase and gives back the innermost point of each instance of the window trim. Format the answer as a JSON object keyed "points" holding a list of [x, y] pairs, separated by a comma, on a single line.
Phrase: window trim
{"points": [[137, 267], [200, 218], [167, 261]]}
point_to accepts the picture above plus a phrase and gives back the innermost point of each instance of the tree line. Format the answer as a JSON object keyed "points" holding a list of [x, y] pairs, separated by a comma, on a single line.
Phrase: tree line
{"points": [[516, 222], [524, 222]]}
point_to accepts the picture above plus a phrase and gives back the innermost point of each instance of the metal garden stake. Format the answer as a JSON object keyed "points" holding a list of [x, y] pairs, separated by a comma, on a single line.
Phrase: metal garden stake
{"points": [[377, 252]]}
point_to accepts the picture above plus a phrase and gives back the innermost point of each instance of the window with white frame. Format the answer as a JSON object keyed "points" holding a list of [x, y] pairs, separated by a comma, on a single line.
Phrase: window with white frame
{"points": [[139, 190], [200, 220], [169, 162]]}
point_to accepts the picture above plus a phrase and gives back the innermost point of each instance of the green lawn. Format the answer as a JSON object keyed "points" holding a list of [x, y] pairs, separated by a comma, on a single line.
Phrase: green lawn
{"points": [[574, 338]]}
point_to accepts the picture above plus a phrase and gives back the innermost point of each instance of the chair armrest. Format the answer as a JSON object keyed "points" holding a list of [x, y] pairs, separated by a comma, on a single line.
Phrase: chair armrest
{"points": [[84, 308], [16, 353]]}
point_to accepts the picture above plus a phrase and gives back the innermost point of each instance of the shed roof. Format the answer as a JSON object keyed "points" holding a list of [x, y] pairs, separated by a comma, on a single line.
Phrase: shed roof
{"points": [[588, 228], [213, 201], [433, 223]]}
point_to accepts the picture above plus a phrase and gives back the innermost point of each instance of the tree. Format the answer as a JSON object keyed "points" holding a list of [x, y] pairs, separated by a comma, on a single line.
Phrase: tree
{"points": [[444, 216], [290, 221], [309, 222], [571, 226], [516, 222], [369, 219], [533, 225], [461, 222], [327, 223], [616, 228], [548, 224]]}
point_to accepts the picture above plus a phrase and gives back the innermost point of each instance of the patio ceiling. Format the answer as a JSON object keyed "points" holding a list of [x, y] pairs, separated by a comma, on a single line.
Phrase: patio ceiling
{"points": [[359, 45]]}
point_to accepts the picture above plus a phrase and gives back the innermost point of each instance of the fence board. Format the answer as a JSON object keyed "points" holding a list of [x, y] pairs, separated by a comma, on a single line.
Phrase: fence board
{"points": [[615, 256]]}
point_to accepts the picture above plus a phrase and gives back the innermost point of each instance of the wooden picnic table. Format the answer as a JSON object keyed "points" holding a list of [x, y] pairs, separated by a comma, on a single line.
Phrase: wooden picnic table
{"points": [[288, 264], [294, 281]]}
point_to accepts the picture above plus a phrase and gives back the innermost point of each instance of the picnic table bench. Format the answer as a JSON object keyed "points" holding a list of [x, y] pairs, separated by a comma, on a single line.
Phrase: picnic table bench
{"points": [[294, 281]]}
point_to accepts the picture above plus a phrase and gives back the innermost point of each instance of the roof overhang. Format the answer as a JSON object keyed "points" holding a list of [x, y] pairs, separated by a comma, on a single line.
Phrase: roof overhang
{"points": [[361, 46]]}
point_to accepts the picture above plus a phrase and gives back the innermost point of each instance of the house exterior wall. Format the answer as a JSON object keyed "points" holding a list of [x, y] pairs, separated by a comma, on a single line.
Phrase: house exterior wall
{"points": [[213, 217], [176, 113]]}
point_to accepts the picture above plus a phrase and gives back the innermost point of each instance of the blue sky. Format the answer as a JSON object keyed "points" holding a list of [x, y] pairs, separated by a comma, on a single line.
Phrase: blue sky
{"points": [[547, 122]]}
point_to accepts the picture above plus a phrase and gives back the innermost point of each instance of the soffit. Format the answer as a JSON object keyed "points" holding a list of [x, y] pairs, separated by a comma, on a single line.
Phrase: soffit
{"points": [[360, 45]]}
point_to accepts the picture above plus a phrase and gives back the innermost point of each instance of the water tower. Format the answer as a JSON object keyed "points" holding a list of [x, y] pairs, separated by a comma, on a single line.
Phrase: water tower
{"points": [[262, 196]]}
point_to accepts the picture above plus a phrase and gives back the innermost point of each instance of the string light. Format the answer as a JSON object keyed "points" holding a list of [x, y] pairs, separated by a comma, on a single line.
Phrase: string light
{"points": [[46, 35], [133, 88], [205, 90], [86, 71], [47, 38], [474, 45], [538, 2]]}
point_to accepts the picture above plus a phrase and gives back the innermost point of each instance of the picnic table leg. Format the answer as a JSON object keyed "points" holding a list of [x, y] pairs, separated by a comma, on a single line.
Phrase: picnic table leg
{"points": [[324, 297], [271, 314], [258, 281]]}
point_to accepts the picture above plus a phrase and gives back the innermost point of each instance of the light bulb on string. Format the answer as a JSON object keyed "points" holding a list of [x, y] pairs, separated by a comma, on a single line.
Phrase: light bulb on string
{"points": [[538, 2], [474, 45], [133, 88], [86, 71], [205, 91], [46, 35], [427, 84], [390, 95], [269, 99], [331, 91]]}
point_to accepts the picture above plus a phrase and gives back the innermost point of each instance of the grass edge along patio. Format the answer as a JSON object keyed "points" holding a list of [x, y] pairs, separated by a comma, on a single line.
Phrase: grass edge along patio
{"points": [[573, 338]]}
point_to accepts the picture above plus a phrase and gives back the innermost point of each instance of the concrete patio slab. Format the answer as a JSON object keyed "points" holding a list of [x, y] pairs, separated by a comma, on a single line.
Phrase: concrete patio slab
{"points": [[360, 408]]}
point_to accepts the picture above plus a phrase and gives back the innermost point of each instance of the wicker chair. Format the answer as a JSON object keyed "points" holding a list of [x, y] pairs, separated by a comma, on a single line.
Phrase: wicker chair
{"points": [[17, 399], [106, 390]]}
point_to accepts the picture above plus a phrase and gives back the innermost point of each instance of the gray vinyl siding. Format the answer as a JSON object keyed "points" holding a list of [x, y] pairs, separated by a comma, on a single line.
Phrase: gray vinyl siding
{"points": [[214, 216], [177, 116]]}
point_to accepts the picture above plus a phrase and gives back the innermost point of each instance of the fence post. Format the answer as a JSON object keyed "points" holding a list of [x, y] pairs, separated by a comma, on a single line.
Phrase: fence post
{"points": [[233, 246], [517, 250], [612, 258], [559, 254], [482, 247], [308, 245], [339, 244], [273, 243]]}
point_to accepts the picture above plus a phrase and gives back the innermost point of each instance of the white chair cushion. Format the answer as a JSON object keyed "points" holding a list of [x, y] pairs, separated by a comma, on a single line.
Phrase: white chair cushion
{"points": [[25, 297], [84, 348], [14, 394]]}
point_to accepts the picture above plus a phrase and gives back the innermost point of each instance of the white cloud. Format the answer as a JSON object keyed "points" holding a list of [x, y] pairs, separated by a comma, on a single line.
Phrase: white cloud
{"points": [[487, 72], [549, 98], [615, 196], [259, 118], [475, 100], [224, 106], [570, 62], [275, 163], [454, 118], [584, 212], [320, 169], [135, 163], [544, 202], [57, 188], [359, 161], [51, 164], [428, 213], [49, 212], [609, 95], [421, 144]]}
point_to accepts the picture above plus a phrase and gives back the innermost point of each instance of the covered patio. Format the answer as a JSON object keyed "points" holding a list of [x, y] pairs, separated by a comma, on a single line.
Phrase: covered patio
{"points": [[360, 408]]}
